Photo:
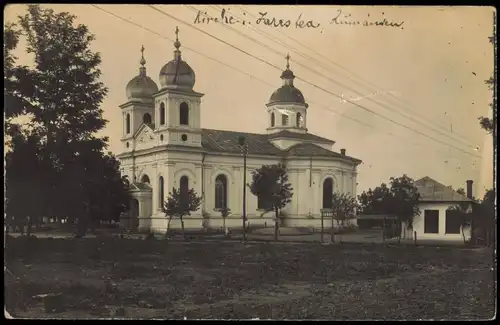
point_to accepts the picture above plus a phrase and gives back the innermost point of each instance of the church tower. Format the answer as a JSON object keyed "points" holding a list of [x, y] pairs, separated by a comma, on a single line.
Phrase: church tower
{"points": [[139, 107], [287, 107], [177, 105]]}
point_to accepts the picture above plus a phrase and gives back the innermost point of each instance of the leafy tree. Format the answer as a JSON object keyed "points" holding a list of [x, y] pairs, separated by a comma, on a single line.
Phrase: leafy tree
{"points": [[344, 208], [225, 212], [485, 217], [375, 201], [404, 201], [461, 191], [61, 95], [270, 184], [463, 214], [180, 204], [487, 123]]}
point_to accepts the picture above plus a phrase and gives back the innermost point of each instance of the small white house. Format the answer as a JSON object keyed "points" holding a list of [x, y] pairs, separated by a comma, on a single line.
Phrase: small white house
{"points": [[434, 221]]}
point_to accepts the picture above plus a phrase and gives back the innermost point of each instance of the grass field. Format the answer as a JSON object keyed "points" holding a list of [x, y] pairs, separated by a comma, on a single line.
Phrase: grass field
{"points": [[228, 280]]}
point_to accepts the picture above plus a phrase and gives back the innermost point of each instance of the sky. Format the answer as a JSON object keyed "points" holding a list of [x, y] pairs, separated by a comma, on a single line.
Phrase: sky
{"points": [[414, 89]]}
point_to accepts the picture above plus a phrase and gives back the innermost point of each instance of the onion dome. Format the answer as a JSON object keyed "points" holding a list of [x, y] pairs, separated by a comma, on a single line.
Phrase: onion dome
{"points": [[177, 74], [141, 86], [287, 93]]}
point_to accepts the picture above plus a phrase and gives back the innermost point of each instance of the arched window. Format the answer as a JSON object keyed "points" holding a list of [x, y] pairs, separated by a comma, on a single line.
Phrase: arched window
{"points": [[272, 119], [161, 193], [327, 193], [299, 120], [127, 124], [284, 119], [146, 118], [221, 192], [184, 114], [184, 189], [162, 114], [145, 179]]}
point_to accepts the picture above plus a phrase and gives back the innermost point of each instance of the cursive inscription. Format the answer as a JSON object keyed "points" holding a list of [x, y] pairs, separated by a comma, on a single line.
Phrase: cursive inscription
{"points": [[267, 20], [346, 19]]}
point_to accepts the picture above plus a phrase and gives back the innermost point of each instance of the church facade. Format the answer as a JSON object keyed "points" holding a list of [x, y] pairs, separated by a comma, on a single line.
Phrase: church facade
{"points": [[165, 147]]}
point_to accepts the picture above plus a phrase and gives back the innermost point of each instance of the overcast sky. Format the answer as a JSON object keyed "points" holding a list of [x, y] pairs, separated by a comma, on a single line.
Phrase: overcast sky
{"points": [[427, 74]]}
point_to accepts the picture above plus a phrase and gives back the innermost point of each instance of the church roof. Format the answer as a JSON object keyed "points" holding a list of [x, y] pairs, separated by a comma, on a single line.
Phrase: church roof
{"points": [[299, 136], [260, 144], [432, 191]]}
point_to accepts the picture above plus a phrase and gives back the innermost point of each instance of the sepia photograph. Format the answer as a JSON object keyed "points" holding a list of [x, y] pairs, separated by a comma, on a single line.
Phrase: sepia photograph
{"points": [[250, 162]]}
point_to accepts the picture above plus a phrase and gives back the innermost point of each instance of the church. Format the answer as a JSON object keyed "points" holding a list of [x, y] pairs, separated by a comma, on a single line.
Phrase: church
{"points": [[165, 147]]}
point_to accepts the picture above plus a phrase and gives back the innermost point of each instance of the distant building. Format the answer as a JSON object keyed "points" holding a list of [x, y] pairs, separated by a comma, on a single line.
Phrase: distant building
{"points": [[164, 146], [435, 222]]}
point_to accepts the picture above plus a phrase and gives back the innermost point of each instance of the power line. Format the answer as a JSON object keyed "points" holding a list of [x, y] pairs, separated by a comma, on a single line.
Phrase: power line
{"points": [[356, 75], [326, 77], [253, 77], [306, 81]]}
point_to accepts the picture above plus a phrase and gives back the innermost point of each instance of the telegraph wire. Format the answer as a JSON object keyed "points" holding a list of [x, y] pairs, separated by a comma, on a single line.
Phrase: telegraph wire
{"points": [[253, 77], [356, 75], [409, 117], [306, 81]]}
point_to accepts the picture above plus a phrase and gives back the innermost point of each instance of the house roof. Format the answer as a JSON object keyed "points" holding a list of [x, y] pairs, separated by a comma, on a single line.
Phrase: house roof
{"points": [[432, 191], [260, 144]]}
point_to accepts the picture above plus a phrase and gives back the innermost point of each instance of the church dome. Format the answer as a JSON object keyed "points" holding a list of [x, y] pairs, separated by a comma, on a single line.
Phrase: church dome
{"points": [[287, 93], [141, 86], [177, 73]]}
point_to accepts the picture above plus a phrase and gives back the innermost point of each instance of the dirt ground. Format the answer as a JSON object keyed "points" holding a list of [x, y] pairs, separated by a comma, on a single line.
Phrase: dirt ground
{"points": [[223, 280]]}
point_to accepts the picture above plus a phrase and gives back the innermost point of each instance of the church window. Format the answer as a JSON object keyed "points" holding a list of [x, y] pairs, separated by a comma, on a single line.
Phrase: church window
{"points": [[184, 114], [161, 192], [272, 119], [221, 192], [162, 114], [299, 120], [284, 119], [146, 118], [127, 124], [128, 144], [184, 189], [184, 137], [161, 137], [328, 193], [145, 179]]}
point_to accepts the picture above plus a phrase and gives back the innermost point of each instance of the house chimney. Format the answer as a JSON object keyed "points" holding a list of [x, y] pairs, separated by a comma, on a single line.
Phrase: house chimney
{"points": [[469, 189], [342, 152]]}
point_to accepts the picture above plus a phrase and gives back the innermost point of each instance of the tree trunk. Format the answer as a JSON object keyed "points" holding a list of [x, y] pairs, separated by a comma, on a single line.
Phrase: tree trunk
{"points": [[28, 227], [322, 227], [182, 226], [168, 225], [399, 229], [463, 234], [224, 226], [276, 225], [332, 235]]}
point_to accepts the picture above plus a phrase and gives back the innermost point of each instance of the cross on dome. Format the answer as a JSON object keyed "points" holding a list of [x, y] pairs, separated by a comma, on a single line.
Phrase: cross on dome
{"points": [[288, 60], [143, 61], [177, 44]]}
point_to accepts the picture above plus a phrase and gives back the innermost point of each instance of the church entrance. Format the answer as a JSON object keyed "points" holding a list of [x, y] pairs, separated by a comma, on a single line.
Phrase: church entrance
{"points": [[328, 193], [134, 214]]}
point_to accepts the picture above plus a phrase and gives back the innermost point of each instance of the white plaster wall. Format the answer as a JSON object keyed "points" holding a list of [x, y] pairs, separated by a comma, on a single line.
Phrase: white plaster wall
{"points": [[418, 225]]}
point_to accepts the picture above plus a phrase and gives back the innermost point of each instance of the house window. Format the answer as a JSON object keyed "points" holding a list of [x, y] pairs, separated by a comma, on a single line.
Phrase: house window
{"points": [[184, 189], [284, 119], [161, 193], [221, 192], [299, 120], [146, 118], [184, 114], [453, 224], [328, 193], [272, 119], [162, 114], [431, 221], [127, 124]]}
